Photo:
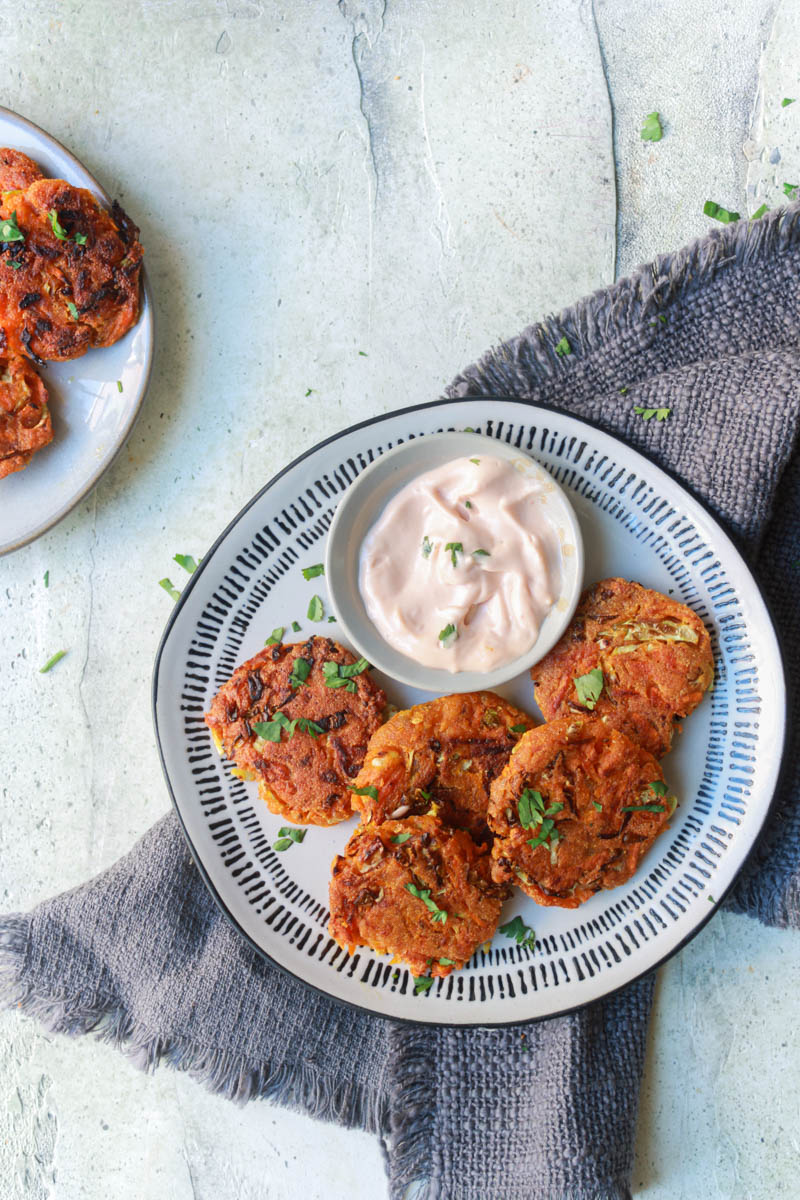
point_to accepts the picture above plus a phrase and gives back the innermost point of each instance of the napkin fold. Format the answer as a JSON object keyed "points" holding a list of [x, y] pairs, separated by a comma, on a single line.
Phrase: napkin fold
{"points": [[142, 956]]}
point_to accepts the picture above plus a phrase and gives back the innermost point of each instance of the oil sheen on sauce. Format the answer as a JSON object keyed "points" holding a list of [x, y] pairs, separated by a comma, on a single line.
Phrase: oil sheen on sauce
{"points": [[463, 565]]}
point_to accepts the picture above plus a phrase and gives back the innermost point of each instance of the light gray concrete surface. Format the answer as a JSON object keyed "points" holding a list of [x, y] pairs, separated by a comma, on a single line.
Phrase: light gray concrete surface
{"points": [[415, 181]]}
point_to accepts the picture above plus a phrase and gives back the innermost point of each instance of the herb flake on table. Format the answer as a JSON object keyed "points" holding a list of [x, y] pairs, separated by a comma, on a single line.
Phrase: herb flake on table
{"points": [[168, 586], [422, 984], [438, 915], [647, 414], [186, 561], [563, 348], [51, 662], [10, 230], [316, 609], [369, 790], [300, 672], [288, 836], [589, 687], [448, 635], [725, 215], [652, 130], [786, 101], [313, 572], [276, 637], [119, 385], [522, 934], [47, 579], [455, 548], [790, 190], [759, 213]]}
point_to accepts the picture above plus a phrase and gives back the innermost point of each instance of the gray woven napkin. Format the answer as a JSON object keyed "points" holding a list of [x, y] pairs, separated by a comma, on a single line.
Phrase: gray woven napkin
{"points": [[141, 955]]}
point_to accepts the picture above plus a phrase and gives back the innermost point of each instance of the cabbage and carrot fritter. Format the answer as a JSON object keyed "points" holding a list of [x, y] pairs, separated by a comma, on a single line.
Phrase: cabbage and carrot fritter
{"points": [[25, 425]]}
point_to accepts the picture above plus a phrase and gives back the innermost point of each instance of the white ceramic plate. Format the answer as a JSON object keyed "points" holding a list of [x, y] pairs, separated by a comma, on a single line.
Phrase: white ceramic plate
{"points": [[637, 522], [91, 416]]}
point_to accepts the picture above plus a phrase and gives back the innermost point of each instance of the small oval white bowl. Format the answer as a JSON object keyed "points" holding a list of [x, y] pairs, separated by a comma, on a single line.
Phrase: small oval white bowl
{"points": [[359, 509]]}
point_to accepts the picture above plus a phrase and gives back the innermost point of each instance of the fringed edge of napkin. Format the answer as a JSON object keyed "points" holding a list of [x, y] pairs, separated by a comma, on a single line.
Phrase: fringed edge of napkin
{"points": [[529, 359], [297, 1086]]}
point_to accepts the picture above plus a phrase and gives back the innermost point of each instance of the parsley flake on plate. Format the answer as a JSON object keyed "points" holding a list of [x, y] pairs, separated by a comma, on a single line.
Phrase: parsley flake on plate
{"points": [[288, 836], [438, 915], [447, 962], [658, 787], [522, 934], [563, 348], [10, 230], [316, 609], [652, 130], [51, 662], [313, 572], [588, 687], [338, 675], [422, 984], [296, 626], [724, 215], [276, 636]]}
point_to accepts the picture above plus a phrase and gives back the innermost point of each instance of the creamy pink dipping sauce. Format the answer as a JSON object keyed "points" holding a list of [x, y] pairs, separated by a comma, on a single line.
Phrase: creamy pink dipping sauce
{"points": [[463, 565]]}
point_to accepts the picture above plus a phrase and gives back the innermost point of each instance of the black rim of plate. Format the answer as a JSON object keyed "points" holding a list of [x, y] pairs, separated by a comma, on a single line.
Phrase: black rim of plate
{"points": [[219, 901], [147, 310]]}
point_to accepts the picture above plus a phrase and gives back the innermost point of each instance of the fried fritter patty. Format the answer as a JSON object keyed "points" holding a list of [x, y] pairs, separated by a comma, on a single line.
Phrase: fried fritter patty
{"points": [[446, 752], [24, 416], [590, 800], [453, 905], [655, 655], [16, 170], [305, 774], [71, 281]]}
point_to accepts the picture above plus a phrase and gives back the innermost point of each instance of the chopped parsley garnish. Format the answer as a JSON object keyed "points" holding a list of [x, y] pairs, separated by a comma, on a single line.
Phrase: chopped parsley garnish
{"points": [[331, 620], [47, 579], [522, 934], [786, 101], [369, 790], [57, 227], [80, 239], [186, 561], [651, 130], [313, 572], [448, 635], [467, 504], [169, 588], [758, 214], [547, 833], [481, 553], [656, 808], [270, 731], [477, 461], [711, 900], [427, 546], [276, 636], [658, 787], [363, 353], [597, 805], [725, 215], [790, 189], [532, 811], [447, 962], [309, 391], [73, 310], [399, 838], [588, 687], [422, 984], [454, 548], [339, 675], [287, 836], [296, 626], [51, 662], [300, 671], [10, 230], [14, 263], [119, 385], [518, 728], [316, 609], [563, 348], [646, 414], [438, 915], [425, 795]]}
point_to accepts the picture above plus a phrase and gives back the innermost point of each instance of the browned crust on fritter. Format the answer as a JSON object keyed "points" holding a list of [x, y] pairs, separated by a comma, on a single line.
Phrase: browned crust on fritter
{"points": [[650, 678], [371, 906], [16, 170], [446, 752], [577, 763], [99, 278], [25, 425], [303, 778]]}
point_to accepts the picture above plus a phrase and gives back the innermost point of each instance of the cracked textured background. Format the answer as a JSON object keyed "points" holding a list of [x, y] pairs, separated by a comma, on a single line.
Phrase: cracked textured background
{"points": [[416, 181]]}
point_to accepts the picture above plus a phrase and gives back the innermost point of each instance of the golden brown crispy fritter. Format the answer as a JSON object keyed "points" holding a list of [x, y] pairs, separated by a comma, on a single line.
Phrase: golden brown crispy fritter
{"points": [[447, 752], [16, 170], [590, 800], [305, 775], [655, 655], [452, 910], [24, 416], [71, 281]]}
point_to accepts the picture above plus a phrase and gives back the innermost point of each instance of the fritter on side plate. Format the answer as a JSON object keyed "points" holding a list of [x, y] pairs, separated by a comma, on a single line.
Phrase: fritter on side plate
{"points": [[575, 811], [284, 723], [446, 752], [24, 416], [654, 653], [16, 170], [69, 271], [415, 889]]}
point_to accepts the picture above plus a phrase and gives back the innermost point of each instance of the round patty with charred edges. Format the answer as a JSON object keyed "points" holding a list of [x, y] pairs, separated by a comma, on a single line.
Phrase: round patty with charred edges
{"points": [[575, 810], [16, 170], [654, 653], [303, 770], [71, 280], [415, 889], [24, 416], [446, 752]]}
